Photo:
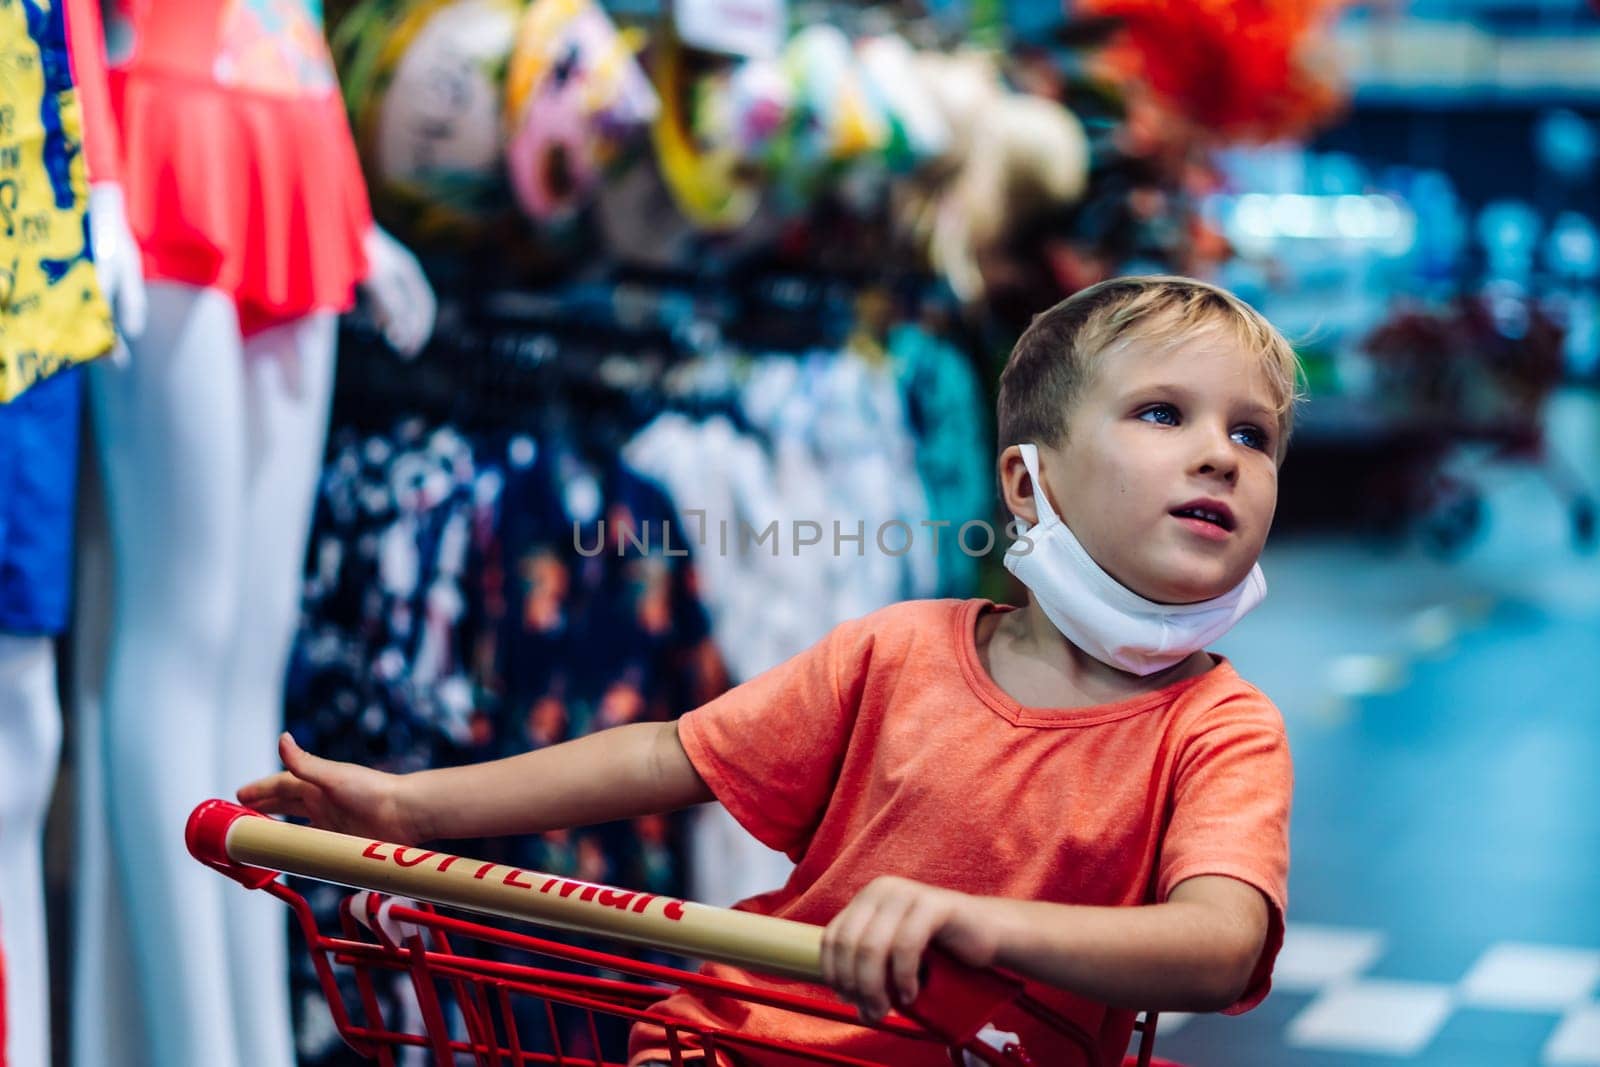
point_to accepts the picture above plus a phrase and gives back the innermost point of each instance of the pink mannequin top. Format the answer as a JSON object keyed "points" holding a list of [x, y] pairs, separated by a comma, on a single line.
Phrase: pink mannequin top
{"points": [[239, 170]]}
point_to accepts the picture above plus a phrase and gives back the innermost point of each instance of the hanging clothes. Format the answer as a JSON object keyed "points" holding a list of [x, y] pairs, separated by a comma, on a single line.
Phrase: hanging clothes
{"points": [[703, 466], [381, 672], [52, 312], [592, 597], [950, 423], [868, 454], [767, 594], [381, 669], [816, 517]]}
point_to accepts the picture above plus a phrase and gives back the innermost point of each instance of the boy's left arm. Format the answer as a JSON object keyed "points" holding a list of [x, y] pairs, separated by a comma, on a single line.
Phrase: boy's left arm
{"points": [[1209, 942], [1194, 952]]}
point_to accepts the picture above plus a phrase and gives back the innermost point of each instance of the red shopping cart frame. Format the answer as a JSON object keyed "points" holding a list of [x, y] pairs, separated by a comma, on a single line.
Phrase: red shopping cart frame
{"points": [[469, 1004]]}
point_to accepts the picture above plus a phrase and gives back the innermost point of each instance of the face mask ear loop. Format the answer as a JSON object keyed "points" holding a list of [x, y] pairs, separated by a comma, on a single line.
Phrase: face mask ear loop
{"points": [[1041, 502]]}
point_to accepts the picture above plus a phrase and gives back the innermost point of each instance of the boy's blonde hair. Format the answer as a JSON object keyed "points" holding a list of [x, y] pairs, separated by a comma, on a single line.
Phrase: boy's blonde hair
{"points": [[1055, 357]]}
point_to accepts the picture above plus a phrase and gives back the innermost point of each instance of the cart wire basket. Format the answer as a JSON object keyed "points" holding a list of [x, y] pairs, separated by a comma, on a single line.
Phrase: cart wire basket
{"points": [[472, 1007]]}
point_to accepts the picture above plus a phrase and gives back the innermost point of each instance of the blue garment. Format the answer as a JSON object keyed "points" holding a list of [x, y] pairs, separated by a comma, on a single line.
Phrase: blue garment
{"points": [[597, 625], [38, 488], [949, 417]]}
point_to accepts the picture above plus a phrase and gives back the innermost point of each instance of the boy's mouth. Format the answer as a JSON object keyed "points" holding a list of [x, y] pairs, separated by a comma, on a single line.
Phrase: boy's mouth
{"points": [[1212, 512]]}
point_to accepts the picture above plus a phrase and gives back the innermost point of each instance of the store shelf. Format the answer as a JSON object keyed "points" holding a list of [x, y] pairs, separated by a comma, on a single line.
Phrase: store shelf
{"points": [[1462, 63]]}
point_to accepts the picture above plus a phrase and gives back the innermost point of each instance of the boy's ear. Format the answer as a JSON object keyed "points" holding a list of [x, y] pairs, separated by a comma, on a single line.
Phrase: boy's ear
{"points": [[1016, 485]]}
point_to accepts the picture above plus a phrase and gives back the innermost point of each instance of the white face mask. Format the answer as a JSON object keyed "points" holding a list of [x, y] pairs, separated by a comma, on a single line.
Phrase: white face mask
{"points": [[1105, 618]]}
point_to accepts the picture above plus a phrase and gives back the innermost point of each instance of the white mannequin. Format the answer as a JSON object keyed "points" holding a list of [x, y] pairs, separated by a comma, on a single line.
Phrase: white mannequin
{"points": [[106, 1025], [30, 724], [210, 445], [30, 741]]}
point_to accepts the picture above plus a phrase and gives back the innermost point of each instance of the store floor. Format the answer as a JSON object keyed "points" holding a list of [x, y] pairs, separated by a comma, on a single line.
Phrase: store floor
{"points": [[1445, 722]]}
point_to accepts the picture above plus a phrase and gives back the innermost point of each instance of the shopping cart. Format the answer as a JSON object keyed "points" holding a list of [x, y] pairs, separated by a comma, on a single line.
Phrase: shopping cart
{"points": [[469, 1005]]}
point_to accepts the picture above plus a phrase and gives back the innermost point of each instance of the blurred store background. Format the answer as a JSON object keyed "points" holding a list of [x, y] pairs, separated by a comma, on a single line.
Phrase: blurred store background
{"points": [[766, 259]]}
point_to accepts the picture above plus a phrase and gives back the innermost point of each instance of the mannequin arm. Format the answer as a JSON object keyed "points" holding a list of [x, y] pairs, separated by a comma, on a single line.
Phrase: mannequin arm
{"points": [[402, 300], [117, 260], [116, 253]]}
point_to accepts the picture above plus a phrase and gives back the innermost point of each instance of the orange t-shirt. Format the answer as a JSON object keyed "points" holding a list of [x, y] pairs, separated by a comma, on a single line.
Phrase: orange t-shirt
{"points": [[886, 749]]}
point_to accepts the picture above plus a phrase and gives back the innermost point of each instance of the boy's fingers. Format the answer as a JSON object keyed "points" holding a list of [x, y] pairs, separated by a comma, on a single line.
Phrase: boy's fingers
{"points": [[262, 790], [280, 794], [905, 962], [301, 763], [832, 949], [872, 955], [840, 944], [904, 966]]}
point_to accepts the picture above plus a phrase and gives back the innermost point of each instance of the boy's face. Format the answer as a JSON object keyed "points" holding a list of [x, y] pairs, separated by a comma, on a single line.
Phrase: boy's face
{"points": [[1154, 432]]}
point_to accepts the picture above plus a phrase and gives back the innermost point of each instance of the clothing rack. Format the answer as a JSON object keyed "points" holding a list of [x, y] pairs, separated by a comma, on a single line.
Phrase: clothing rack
{"points": [[514, 358]]}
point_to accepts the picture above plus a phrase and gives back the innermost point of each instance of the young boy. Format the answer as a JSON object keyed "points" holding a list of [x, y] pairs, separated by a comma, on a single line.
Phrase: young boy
{"points": [[1074, 790]]}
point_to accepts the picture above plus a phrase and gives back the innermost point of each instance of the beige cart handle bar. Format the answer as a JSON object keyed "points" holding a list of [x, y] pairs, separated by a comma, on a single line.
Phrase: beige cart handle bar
{"points": [[224, 836], [252, 849]]}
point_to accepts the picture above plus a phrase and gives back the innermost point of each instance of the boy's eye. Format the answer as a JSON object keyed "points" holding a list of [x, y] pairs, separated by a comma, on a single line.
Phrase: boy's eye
{"points": [[1251, 437], [1162, 414]]}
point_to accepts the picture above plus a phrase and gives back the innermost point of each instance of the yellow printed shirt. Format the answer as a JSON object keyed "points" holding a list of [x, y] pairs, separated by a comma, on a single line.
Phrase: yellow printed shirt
{"points": [[52, 313]]}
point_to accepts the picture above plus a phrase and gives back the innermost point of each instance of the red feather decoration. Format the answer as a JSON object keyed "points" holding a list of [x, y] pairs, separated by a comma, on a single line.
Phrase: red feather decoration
{"points": [[1242, 69]]}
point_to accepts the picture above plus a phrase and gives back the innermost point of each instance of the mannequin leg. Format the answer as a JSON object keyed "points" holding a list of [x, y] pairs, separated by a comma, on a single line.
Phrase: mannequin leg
{"points": [[289, 383], [106, 1027], [30, 742], [170, 428]]}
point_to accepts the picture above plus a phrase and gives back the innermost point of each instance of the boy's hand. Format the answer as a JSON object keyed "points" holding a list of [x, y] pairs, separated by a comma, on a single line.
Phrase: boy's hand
{"points": [[872, 951], [334, 796]]}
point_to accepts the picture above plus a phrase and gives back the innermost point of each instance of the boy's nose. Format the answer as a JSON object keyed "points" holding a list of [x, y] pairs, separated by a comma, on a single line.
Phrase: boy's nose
{"points": [[1227, 473], [1215, 457]]}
